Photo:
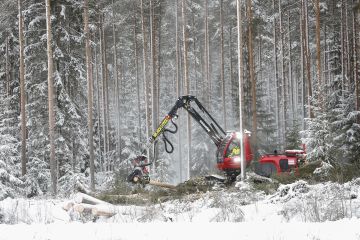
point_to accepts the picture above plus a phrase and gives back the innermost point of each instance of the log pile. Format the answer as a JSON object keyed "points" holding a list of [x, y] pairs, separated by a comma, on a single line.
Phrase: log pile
{"points": [[84, 203]]}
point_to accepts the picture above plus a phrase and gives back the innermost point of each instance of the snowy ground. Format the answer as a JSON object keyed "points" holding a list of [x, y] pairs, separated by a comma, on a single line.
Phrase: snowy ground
{"points": [[296, 211], [342, 229]]}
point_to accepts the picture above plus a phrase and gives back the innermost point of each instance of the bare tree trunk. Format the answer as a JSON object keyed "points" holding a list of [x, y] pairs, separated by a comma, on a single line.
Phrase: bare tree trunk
{"points": [[342, 36], [354, 52], [106, 102], [146, 82], [222, 78], [260, 75], [186, 83], [153, 82], [318, 53], [51, 99], [231, 63], [178, 86], [307, 58], [283, 80], [98, 98], [90, 93], [158, 18], [207, 56], [104, 96], [276, 76], [103, 73], [302, 63], [252, 76], [7, 67], [347, 43], [137, 77], [241, 82], [22, 87], [117, 86], [196, 80], [325, 60], [356, 26], [291, 88]]}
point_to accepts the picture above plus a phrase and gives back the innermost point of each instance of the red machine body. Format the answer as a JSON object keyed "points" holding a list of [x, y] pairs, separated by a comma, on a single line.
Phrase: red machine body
{"points": [[267, 164], [288, 162], [225, 161]]}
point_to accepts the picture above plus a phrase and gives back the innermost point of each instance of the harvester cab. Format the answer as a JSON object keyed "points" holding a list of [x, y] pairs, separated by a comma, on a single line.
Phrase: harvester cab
{"points": [[229, 150]]}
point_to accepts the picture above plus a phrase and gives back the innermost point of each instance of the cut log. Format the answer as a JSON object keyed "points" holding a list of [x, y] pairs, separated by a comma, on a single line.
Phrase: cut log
{"points": [[98, 210], [95, 206], [68, 205], [161, 184], [82, 207], [103, 210], [84, 198]]}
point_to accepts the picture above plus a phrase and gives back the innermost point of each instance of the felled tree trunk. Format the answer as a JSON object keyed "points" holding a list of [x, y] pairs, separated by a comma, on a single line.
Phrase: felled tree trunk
{"points": [[84, 198], [87, 203], [161, 184]]}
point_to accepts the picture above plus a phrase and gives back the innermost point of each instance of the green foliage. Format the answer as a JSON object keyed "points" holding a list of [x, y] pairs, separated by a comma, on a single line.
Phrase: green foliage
{"points": [[344, 172], [292, 138]]}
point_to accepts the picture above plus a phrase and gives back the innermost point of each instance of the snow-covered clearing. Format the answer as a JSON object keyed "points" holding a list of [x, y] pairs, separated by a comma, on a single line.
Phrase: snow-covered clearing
{"points": [[342, 229], [296, 211]]}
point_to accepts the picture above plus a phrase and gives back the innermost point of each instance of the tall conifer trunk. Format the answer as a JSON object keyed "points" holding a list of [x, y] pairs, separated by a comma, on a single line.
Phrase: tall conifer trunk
{"points": [[307, 56], [252, 76], [178, 86], [22, 89], [137, 78], [7, 67], [276, 76], [117, 86], [241, 83], [51, 100], [207, 57], [90, 93], [283, 80], [186, 83], [222, 78], [318, 53], [145, 78]]}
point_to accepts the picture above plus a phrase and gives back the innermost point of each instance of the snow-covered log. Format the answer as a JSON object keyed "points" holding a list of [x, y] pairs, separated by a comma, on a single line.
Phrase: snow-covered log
{"points": [[80, 208], [96, 206], [104, 210], [107, 210], [84, 198], [68, 205]]}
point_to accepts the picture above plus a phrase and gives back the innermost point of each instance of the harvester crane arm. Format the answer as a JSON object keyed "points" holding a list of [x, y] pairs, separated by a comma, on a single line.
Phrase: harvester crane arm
{"points": [[185, 102], [213, 129]]}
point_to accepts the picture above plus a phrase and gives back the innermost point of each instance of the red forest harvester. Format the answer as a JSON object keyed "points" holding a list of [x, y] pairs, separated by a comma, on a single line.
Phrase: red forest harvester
{"points": [[228, 146]]}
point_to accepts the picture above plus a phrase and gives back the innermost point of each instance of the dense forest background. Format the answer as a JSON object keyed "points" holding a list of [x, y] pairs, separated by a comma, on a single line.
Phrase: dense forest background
{"points": [[109, 71]]}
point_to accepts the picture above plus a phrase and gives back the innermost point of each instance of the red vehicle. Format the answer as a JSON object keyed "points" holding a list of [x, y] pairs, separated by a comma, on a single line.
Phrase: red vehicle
{"points": [[226, 160], [228, 145], [270, 164]]}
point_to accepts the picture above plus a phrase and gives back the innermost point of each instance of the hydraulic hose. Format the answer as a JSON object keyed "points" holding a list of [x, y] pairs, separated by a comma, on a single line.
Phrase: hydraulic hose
{"points": [[166, 140]]}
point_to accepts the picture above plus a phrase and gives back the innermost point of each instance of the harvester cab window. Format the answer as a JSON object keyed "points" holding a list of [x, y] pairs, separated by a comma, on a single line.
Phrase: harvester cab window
{"points": [[284, 165], [221, 149], [268, 169], [233, 149]]}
